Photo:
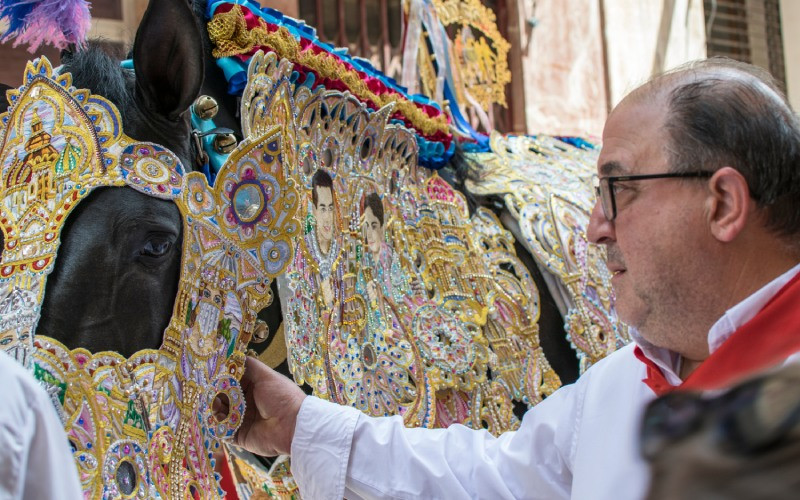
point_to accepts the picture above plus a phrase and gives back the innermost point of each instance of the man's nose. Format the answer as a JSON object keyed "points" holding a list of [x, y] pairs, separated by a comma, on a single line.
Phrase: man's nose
{"points": [[600, 229]]}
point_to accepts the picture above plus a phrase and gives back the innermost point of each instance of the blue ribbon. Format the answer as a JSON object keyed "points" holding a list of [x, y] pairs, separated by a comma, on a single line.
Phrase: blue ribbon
{"points": [[578, 142]]}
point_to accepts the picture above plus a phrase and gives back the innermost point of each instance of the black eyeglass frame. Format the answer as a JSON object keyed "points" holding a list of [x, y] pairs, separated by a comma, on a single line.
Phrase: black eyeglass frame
{"points": [[610, 180]]}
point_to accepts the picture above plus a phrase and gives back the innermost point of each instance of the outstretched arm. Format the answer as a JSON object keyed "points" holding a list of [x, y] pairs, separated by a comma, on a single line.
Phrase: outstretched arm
{"points": [[338, 451]]}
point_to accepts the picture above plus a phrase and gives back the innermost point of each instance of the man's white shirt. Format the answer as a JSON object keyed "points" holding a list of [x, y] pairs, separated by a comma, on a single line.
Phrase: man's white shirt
{"points": [[35, 457]]}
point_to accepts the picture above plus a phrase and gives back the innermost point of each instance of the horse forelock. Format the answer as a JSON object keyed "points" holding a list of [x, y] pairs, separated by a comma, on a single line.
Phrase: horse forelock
{"points": [[94, 69]]}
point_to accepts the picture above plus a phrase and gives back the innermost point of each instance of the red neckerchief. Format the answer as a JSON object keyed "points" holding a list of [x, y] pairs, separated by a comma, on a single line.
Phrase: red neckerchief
{"points": [[766, 340]]}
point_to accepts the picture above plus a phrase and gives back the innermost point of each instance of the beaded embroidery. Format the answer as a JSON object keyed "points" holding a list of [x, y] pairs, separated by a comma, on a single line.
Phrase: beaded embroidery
{"points": [[546, 184], [143, 426], [418, 309]]}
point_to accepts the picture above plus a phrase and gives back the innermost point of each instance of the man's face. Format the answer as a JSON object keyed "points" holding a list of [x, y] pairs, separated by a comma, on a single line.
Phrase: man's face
{"points": [[323, 212], [374, 232], [655, 243]]}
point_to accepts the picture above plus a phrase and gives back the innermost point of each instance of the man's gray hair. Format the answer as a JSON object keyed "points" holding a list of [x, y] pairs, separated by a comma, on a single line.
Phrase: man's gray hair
{"points": [[721, 113]]}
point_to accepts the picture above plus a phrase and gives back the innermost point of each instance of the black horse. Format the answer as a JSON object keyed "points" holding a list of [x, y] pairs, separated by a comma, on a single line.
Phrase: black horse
{"points": [[115, 280], [116, 275]]}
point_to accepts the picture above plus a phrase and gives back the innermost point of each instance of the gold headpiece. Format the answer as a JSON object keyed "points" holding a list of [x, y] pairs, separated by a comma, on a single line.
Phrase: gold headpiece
{"points": [[141, 426]]}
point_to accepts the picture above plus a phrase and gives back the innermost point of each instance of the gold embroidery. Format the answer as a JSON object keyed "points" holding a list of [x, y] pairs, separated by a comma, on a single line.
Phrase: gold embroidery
{"points": [[546, 187], [151, 411], [228, 32]]}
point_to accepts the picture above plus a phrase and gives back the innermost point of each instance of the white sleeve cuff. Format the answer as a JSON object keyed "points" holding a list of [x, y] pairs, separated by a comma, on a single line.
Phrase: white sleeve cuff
{"points": [[321, 448]]}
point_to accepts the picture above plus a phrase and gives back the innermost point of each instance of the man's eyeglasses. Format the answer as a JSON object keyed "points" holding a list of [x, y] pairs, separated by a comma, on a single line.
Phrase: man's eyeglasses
{"points": [[604, 186]]}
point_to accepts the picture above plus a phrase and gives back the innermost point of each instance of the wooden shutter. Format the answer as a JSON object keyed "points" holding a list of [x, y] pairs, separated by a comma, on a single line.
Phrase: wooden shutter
{"points": [[748, 31]]}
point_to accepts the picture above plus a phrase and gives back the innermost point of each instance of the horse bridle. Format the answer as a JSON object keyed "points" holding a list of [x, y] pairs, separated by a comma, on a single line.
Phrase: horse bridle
{"points": [[211, 145]]}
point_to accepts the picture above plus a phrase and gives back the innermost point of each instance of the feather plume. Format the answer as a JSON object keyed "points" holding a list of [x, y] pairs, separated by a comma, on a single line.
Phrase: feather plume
{"points": [[56, 22]]}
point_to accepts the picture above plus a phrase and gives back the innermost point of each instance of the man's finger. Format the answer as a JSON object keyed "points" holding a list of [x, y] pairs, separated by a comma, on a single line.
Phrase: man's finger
{"points": [[220, 407]]}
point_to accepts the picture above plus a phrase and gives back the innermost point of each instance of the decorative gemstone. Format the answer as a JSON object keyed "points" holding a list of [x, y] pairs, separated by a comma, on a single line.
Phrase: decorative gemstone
{"points": [[126, 477], [247, 202], [368, 355]]}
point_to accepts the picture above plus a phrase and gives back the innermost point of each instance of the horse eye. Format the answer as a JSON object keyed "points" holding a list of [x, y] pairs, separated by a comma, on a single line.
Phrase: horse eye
{"points": [[156, 247]]}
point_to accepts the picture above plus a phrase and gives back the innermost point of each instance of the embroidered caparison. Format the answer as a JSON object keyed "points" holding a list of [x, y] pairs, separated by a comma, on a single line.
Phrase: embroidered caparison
{"points": [[141, 426]]}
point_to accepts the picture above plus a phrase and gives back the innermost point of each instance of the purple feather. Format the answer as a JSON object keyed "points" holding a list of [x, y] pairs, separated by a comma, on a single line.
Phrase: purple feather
{"points": [[55, 22]]}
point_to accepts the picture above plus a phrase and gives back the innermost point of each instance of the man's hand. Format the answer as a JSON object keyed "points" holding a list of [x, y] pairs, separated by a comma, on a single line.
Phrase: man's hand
{"points": [[273, 402]]}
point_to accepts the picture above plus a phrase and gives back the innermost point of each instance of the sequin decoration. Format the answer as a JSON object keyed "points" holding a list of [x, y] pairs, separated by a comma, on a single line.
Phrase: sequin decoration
{"points": [[201, 199], [251, 193], [227, 388], [389, 305], [141, 426], [438, 334], [151, 169], [546, 184], [125, 472]]}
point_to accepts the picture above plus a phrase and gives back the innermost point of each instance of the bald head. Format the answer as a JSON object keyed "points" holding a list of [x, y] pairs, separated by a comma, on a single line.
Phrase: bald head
{"points": [[721, 112], [720, 69]]}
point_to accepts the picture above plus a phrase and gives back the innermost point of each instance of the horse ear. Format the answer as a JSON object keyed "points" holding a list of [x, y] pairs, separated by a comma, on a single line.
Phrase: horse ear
{"points": [[168, 58]]}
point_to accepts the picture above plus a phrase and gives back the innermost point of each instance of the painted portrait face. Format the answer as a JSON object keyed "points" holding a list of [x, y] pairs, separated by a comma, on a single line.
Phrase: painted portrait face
{"points": [[7, 338], [374, 231], [323, 213]]}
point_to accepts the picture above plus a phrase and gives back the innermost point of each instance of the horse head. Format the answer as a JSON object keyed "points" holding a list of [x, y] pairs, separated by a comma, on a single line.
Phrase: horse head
{"points": [[116, 277]]}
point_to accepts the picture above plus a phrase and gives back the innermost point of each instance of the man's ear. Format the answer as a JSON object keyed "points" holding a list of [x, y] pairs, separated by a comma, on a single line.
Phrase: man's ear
{"points": [[729, 205]]}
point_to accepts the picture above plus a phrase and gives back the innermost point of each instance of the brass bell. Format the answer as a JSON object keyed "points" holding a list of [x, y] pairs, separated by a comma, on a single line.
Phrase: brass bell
{"points": [[260, 332], [224, 143], [205, 107]]}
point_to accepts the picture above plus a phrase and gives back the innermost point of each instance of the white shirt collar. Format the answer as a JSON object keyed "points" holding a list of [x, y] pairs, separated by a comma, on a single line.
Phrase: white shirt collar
{"points": [[732, 320]]}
